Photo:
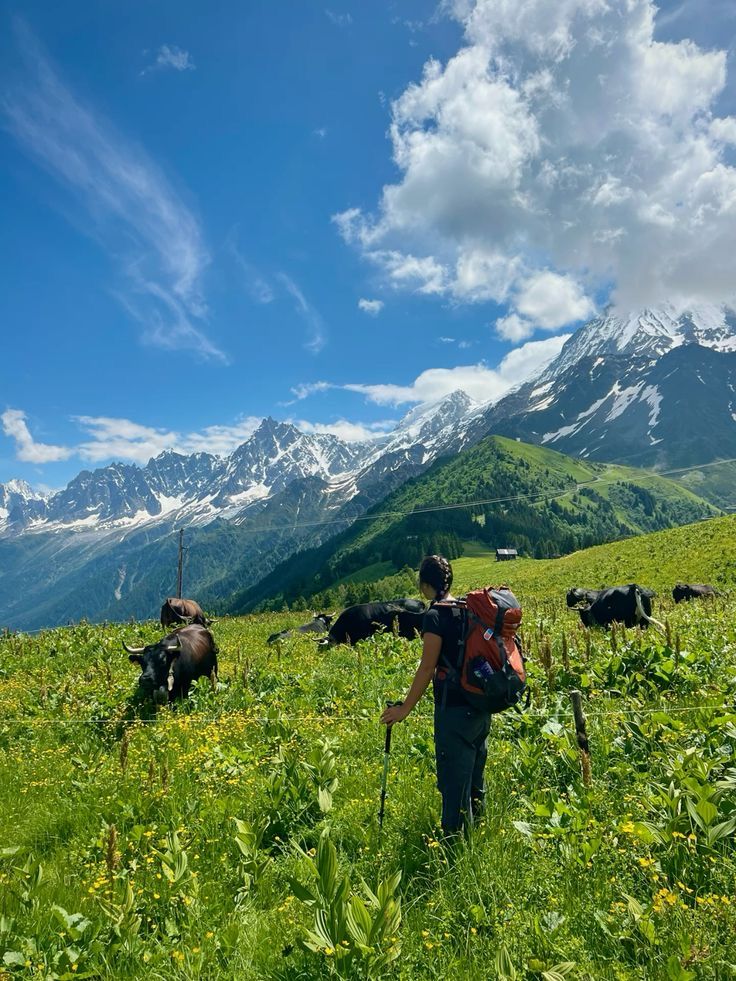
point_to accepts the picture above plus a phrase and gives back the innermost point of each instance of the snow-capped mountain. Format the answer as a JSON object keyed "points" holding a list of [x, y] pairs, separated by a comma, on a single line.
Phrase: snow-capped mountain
{"points": [[648, 336], [277, 454], [19, 504], [434, 424], [199, 488], [656, 388], [105, 541]]}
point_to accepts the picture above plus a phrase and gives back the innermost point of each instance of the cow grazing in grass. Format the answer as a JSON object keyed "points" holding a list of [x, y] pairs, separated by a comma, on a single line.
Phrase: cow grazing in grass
{"points": [[362, 621], [171, 665], [630, 605], [577, 595], [176, 610], [319, 624], [688, 591]]}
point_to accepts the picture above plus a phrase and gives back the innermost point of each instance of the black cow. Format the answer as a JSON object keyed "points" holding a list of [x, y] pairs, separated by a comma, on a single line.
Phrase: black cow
{"points": [[688, 591], [630, 605], [176, 610], [362, 621], [575, 596], [169, 666], [319, 624]]}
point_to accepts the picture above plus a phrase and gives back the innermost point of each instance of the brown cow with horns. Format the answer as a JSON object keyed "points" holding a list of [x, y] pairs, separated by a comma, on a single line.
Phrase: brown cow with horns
{"points": [[176, 610]]}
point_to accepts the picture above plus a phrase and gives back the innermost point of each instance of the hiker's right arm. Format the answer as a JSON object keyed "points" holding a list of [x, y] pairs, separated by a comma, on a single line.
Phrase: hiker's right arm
{"points": [[425, 672]]}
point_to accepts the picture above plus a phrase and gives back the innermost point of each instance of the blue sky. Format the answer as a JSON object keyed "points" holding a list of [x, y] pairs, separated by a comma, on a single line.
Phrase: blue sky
{"points": [[332, 213]]}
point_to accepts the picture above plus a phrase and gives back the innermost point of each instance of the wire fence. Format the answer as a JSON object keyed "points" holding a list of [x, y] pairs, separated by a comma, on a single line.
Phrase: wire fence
{"points": [[263, 720]]}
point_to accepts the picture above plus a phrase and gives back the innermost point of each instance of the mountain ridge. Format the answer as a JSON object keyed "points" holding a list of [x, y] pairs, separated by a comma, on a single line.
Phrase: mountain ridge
{"points": [[531, 498], [656, 388]]}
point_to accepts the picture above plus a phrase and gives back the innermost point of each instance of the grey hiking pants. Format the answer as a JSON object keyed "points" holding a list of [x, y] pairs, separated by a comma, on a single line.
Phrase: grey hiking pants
{"points": [[460, 736]]}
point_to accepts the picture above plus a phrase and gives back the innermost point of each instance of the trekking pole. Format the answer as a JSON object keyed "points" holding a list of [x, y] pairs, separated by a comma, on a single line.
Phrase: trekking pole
{"points": [[384, 778]]}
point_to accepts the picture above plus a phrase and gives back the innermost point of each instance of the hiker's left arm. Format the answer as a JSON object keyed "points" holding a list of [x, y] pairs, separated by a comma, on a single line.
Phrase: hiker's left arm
{"points": [[424, 674]]}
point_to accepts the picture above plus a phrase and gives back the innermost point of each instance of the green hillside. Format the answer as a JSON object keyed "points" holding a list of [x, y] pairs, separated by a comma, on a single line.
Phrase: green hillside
{"points": [[716, 482], [702, 552], [536, 500]]}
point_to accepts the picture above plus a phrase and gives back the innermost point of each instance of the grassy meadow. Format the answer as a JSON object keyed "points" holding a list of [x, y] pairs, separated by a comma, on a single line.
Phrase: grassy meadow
{"points": [[237, 837], [702, 552]]}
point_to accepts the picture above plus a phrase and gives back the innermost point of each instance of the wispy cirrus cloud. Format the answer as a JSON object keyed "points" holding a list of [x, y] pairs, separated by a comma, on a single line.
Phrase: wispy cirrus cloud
{"points": [[107, 438], [462, 344], [256, 284], [339, 19], [170, 56], [306, 389], [317, 336], [121, 197], [708, 11]]}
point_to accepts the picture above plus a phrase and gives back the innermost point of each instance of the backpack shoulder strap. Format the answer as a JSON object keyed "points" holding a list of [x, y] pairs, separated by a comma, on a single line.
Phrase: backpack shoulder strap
{"points": [[462, 615]]}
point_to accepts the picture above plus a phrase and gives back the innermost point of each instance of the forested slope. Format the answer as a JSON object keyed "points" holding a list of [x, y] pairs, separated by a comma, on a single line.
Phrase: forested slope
{"points": [[533, 499]]}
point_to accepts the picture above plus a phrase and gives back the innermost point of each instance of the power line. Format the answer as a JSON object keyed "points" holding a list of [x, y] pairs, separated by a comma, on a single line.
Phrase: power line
{"points": [[430, 509]]}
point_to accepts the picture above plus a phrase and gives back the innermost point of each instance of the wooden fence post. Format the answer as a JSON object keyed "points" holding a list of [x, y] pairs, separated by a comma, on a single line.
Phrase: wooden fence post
{"points": [[581, 733]]}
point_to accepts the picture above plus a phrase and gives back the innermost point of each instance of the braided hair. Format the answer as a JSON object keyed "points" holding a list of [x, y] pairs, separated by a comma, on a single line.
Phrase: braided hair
{"points": [[436, 571]]}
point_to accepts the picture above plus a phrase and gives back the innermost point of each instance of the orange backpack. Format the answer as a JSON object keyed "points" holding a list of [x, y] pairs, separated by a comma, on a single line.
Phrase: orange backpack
{"points": [[489, 668]]}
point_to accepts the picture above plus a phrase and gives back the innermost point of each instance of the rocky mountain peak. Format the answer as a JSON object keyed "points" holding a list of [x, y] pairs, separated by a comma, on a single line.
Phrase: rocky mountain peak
{"points": [[657, 387], [22, 489], [646, 335]]}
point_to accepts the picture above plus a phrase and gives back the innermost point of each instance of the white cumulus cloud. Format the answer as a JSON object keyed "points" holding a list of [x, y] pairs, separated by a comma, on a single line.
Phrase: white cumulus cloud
{"points": [[514, 328], [561, 152], [481, 382], [349, 432], [109, 438], [551, 301], [123, 439], [373, 307], [27, 450]]}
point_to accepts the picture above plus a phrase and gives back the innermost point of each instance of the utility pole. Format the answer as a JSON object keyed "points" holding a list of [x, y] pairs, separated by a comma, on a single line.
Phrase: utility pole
{"points": [[181, 562]]}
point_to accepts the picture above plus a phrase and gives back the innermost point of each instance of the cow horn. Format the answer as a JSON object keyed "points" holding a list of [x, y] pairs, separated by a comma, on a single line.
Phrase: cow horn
{"points": [[133, 650], [174, 645]]}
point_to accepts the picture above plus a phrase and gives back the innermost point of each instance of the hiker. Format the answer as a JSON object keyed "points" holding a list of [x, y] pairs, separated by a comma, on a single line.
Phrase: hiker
{"points": [[460, 731]]}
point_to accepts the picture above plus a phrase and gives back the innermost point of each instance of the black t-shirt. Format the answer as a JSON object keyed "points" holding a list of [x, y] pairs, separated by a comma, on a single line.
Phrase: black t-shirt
{"points": [[445, 622]]}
